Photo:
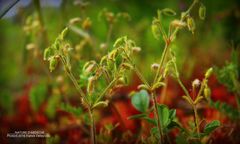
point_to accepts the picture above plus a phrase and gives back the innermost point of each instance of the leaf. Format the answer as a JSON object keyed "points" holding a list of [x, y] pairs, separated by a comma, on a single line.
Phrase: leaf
{"points": [[154, 131], [172, 114], [211, 126], [77, 111], [163, 115], [168, 12], [150, 120], [141, 101], [52, 105], [137, 116], [37, 96]]}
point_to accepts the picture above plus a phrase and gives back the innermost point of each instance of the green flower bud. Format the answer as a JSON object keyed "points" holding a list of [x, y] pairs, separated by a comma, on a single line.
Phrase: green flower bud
{"points": [[202, 12], [208, 73], [207, 92], [53, 64], [191, 24]]}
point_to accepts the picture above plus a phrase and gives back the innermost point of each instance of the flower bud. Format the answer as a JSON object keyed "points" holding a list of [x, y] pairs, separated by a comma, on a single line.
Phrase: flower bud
{"points": [[196, 83], [202, 12], [155, 66], [208, 73], [207, 92], [53, 64], [191, 24]]}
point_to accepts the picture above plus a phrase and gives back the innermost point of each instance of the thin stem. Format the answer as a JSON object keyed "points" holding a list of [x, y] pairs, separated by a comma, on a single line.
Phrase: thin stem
{"points": [[196, 119], [109, 34], [107, 88], [153, 94], [73, 79], [93, 128]]}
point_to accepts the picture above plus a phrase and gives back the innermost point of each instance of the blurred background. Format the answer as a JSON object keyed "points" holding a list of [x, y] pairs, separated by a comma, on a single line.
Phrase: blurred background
{"points": [[30, 95]]}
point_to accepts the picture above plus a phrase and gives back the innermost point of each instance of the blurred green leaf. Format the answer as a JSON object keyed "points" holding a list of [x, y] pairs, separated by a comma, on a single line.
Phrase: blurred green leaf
{"points": [[141, 100], [211, 126], [37, 95], [77, 111], [52, 105], [163, 115]]}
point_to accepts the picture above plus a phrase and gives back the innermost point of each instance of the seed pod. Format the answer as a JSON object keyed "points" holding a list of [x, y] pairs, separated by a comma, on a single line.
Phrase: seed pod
{"points": [[101, 104], [178, 23], [86, 23], [89, 67], [157, 85], [63, 33], [208, 73], [136, 49], [191, 24], [74, 20], [143, 86], [156, 29], [90, 86], [168, 12], [46, 54], [188, 100], [202, 12], [198, 99], [53, 64], [126, 66], [207, 92]]}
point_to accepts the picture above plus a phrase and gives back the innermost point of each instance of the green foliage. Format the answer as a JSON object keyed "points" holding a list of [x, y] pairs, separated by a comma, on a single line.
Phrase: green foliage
{"points": [[141, 100], [76, 111], [38, 95], [52, 105], [229, 74], [211, 126], [6, 101], [53, 139]]}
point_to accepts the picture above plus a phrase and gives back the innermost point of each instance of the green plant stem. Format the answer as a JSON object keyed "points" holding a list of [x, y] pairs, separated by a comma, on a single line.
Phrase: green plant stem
{"points": [[110, 85], [196, 120], [153, 94], [109, 33], [39, 12], [92, 127]]}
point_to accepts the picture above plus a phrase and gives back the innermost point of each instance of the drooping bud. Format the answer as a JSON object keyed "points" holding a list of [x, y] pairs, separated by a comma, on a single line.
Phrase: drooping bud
{"points": [[86, 23], [178, 23], [156, 28], [90, 86], [191, 24], [52, 64], [207, 92], [74, 20], [202, 12]]}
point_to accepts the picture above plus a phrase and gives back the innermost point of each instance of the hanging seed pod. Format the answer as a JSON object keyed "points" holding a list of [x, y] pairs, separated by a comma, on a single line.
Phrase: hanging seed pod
{"points": [[156, 29], [87, 23], [188, 100], [198, 99], [191, 24], [136, 49], [168, 12], [63, 33], [90, 86], [207, 92], [178, 23], [126, 66], [202, 12], [157, 85], [52, 64], [74, 20], [46, 54]]}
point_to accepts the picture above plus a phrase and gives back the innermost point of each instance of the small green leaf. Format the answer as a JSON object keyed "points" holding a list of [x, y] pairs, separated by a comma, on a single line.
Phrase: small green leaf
{"points": [[141, 101], [77, 111], [211, 126], [168, 12], [37, 96], [172, 114], [155, 132], [137, 116], [163, 115]]}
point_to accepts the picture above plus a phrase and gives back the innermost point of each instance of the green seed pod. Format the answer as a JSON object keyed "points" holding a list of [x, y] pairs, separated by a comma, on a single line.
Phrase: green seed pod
{"points": [[143, 86], [191, 24], [63, 33], [53, 64], [90, 86], [127, 66], [46, 54], [207, 92], [202, 12], [155, 29], [208, 73], [198, 99], [168, 12]]}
